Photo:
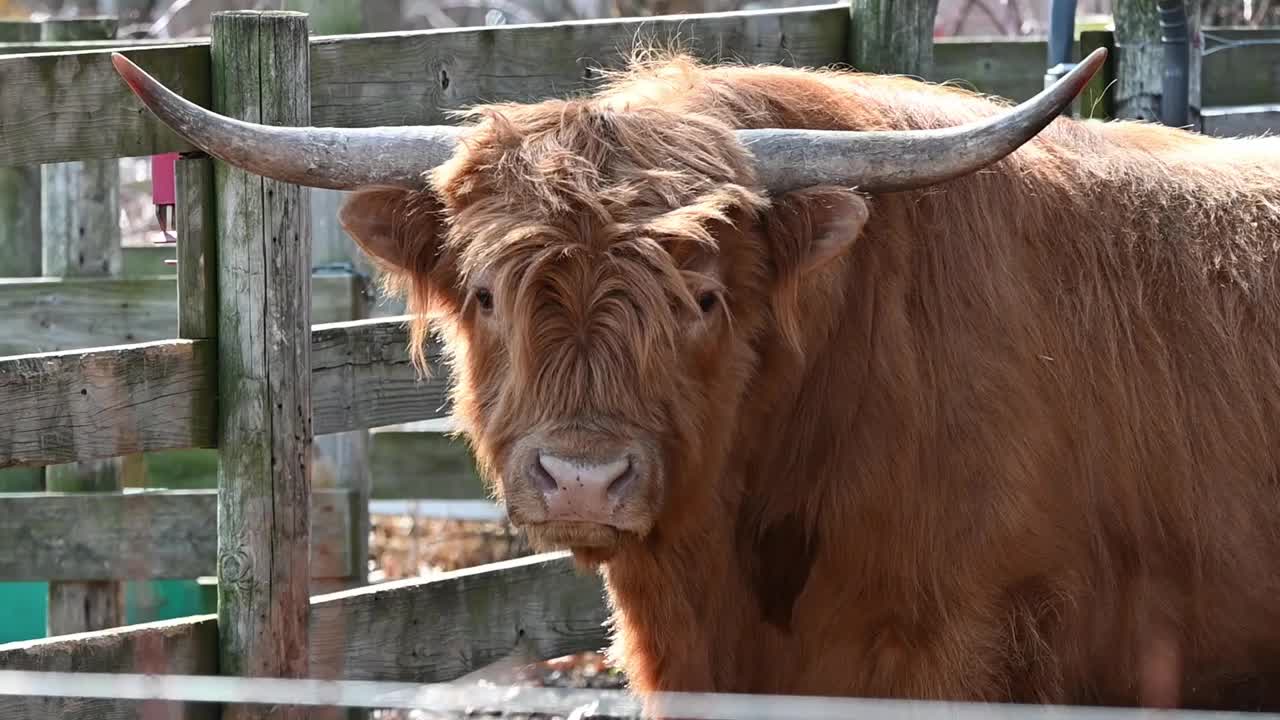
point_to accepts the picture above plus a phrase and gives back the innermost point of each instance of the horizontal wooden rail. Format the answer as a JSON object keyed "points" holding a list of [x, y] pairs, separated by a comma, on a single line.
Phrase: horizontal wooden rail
{"points": [[143, 535], [69, 406], [1241, 120], [419, 630], [39, 315], [361, 377], [74, 106], [107, 402]]}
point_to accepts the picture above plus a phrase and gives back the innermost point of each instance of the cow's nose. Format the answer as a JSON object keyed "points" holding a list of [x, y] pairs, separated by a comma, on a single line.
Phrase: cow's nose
{"points": [[582, 491]]}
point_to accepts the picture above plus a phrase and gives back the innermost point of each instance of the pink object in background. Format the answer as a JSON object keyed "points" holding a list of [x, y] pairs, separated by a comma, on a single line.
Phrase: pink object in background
{"points": [[164, 195], [163, 186]]}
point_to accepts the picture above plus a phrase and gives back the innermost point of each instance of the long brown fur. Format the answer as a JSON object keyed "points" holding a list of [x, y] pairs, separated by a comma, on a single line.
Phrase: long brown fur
{"points": [[1017, 441]]}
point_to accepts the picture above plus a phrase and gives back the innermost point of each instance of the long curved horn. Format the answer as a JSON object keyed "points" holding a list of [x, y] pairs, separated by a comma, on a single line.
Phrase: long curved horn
{"points": [[334, 158], [896, 160], [350, 158]]}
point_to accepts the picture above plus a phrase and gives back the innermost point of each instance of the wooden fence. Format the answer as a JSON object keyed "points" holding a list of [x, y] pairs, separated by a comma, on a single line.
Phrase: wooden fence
{"points": [[197, 370]]}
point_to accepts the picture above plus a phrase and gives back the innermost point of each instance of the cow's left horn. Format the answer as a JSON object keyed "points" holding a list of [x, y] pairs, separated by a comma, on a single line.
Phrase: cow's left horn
{"points": [[896, 160], [334, 158]]}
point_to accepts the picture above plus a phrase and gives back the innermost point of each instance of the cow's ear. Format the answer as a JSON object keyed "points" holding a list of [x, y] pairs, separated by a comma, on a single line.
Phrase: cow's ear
{"points": [[810, 232], [809, 228], [398, 229]]}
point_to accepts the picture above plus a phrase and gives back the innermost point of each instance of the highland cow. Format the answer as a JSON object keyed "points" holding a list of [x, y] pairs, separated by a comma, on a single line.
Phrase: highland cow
{"points": [[849, 384]]}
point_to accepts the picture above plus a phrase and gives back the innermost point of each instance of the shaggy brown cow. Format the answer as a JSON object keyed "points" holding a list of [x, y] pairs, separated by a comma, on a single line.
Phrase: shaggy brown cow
{"points": [[1002, 426]]}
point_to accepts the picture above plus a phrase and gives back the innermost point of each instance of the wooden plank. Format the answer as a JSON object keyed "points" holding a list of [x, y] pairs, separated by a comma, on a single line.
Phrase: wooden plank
{"points": [[362, 377], [1241, 120], [62, 30], [75, 106], [1011, 68], [892, 36], [197, 248], [64, 407], [188, 646], [416, 77], [404, 464], [17, 31], [1139, 61], [260, 74], [19, 196], [342, 460], [424, 465], [105, 402], [80, 210], [80, 217], [143, 535], [437, 629], [1243, 74], [53, 314], [421, 630]]}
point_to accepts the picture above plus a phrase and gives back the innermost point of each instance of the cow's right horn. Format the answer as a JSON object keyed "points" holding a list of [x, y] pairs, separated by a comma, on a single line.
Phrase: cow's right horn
{"points": [[896, 160], [334, 158]]}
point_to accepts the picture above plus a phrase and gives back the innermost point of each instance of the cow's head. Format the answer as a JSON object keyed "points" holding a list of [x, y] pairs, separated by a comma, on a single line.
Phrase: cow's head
{"points": [[599, 274]]}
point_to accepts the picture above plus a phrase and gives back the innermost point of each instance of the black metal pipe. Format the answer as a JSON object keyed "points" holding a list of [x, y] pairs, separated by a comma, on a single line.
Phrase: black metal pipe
{"points": [[1174, 108]]}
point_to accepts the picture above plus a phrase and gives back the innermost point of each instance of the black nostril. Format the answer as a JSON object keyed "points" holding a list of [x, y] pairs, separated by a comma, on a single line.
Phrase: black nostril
{"points": [[542, 478]]}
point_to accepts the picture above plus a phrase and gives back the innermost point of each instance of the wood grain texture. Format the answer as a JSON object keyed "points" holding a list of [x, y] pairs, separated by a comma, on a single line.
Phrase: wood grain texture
{"points": [[416, 77], [77, 405], [260, 71], [421, 630], [186, 646], [144, 535], [434, 630], [362, 377], [64, 407], [342, 460], [1012, 68], [75, 107], [81, 606], [20, 253], [892, 36], [54, 314], [80, 217], [197, 248], [1139, 60], [19, 195]]}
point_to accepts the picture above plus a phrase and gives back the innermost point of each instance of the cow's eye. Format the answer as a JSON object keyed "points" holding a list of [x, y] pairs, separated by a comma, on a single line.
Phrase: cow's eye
{"points": [[707, 301], [484, 299]]}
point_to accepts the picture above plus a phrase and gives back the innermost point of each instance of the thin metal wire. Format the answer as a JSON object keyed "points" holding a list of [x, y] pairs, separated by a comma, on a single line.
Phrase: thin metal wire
{"points": [[464, 699]]}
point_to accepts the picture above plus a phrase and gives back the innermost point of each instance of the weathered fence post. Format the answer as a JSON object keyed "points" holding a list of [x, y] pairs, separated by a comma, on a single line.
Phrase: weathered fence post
{"points": [[342, 459], [20, 239], [19, 193], [260, 73], [892, 36], [81, 204], [1140, 61], [80, 208]]}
